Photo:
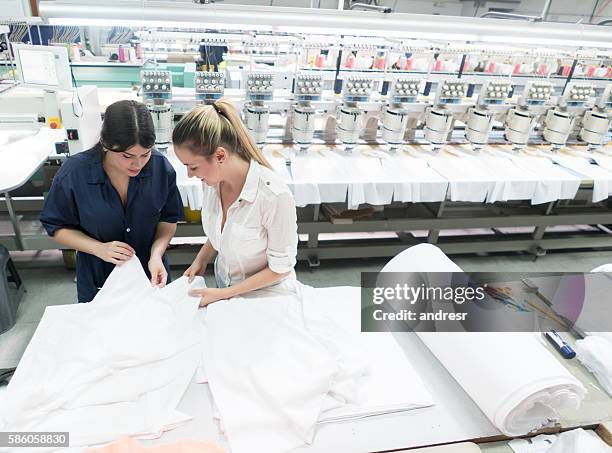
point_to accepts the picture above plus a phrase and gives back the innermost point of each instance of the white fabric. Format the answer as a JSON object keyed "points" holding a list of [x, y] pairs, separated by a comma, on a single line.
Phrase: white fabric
{"points": [[260, 229], [414, 180], [595, 353], [116, 366], [22, 153], [513, 182], [333, 315], [602, 178], [468, 178], [579, 441], [368, 180], [289, 364], [319, 176], [367, 175], [517, 399], [537, 444], [554, 183]]}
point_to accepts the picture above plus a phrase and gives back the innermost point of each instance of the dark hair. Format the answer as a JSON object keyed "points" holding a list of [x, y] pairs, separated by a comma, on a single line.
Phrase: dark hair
{"points": [[127, 123]]}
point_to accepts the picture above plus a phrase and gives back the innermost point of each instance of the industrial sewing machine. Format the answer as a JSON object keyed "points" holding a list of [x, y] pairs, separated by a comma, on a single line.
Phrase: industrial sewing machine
{"points": [[482, 83]]}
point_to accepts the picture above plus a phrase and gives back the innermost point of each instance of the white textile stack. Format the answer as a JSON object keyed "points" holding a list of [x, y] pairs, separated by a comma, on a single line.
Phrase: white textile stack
{"points": [[290, 362]]}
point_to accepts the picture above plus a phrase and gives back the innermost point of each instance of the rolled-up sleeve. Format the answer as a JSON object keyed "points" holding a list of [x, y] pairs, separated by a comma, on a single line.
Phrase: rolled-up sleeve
{"points": [[172, 211], [281, 226], [60, 208]]}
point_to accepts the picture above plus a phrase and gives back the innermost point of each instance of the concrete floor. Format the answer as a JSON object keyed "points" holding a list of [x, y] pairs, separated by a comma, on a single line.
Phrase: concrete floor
{"points": [[47, 282]]}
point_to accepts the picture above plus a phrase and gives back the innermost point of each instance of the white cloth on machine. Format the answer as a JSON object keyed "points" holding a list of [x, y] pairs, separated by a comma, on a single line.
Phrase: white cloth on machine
{"points": [[554, 181], [468, 178], [516, 399], [414, 180], [513, 183], [319, 176], [602, 178], [368, 180], [595, 353], [292, 362], [116, 366]]}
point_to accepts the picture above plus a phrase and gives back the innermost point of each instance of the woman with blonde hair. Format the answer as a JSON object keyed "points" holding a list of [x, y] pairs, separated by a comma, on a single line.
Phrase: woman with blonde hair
{"points": [[248, 212]]}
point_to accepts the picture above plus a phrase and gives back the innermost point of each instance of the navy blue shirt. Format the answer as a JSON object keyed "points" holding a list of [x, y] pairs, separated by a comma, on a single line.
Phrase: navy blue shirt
{"points": [[83, 198]]}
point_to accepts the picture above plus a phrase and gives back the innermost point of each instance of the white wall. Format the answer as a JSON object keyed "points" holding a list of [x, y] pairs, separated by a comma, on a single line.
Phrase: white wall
{"points": [[15, 8], [561, 10]]}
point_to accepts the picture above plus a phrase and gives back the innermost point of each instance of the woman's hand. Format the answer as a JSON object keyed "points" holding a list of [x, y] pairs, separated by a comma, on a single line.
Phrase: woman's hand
{"points": [[114, 252], [196, 268], [159, 275], [210, 295]]}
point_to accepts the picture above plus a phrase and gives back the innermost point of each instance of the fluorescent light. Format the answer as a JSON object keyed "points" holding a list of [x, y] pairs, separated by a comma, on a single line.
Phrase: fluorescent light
{"points": [[326, 22], [135, 23], [547, 41]]}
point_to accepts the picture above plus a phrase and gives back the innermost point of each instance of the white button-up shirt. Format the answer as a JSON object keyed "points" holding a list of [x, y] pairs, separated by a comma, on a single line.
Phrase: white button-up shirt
{"points": [[260, 229]]}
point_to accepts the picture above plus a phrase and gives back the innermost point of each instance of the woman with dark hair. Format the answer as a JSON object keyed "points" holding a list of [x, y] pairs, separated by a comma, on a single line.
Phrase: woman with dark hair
{"points": [[115, 200]]}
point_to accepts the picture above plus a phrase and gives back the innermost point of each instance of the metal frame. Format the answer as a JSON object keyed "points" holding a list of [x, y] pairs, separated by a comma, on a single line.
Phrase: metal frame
{"points": [[401, 218]]}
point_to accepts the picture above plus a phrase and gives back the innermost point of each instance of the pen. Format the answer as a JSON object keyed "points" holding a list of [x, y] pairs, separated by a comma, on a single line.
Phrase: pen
{"points": [[560, 345]]}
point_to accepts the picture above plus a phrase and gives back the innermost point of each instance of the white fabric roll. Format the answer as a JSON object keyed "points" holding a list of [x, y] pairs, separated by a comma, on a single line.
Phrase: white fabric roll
{"points": [[512, 377]]}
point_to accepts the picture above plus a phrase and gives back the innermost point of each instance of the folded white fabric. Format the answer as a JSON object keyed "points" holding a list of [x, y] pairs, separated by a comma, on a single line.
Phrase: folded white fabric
{"points": [[267, 375], [291, 362], [116, 366], [388, 384], [579, 441], [595, 353], [517, 399]]}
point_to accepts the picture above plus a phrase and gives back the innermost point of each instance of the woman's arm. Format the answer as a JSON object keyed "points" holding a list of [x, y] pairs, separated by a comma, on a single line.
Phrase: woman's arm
{"points": [[262, 279], [204, 256], [164, 233], [112, 252]]}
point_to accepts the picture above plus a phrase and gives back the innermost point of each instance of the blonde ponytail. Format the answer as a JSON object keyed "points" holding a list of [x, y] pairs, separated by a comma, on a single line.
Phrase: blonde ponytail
{"points": [[206, 128]]}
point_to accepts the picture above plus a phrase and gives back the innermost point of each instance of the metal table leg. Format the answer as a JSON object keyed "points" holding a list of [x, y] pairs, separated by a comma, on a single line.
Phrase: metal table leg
{"points": [[14, 220]]}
